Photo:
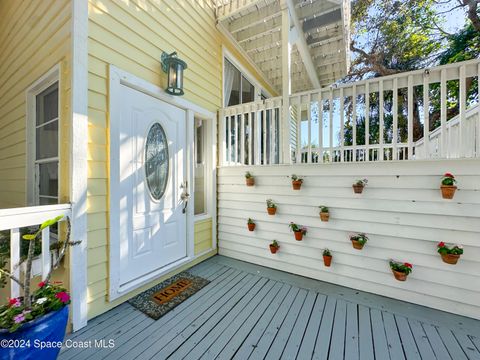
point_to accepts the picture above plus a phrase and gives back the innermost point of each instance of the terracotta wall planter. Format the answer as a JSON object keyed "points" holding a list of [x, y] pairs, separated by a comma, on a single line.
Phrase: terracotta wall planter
{"points": [[400, 276], [250, 181], [324, 216], [357, 244], [296, 184], [274, 249], [448, 191], [451, 259], [357, 189], [327, 260], [251, 227], [298, 235], [271, 211]]}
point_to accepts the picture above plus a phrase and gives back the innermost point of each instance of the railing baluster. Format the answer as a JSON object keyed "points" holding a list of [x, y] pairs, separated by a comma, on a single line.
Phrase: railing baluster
{"points": [[46, 258], [299, 131], [15, 261], [320, 127], [426, 115], [235, 138], [395, 119], [264, 133], [443, 114], [463, 102], [477, 150], [410, 117], [273, 136], [354, 123], [367, 120], [342, 126], [381, 119], [222, 137], [250, 136], [242, 136], [229, 140], [330, 125], [258, 135], [309, 123]]}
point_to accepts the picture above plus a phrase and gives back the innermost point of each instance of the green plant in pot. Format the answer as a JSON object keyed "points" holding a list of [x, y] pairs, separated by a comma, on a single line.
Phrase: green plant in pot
{"points": [[400, 270], [327, 257], [448, 186], [299, 231], [271, 207], [358, 240], [296, 182], [449, 254], [324, 213], [249, 179], [274, 247], [40, 314], [251, 225], [359, 185]]}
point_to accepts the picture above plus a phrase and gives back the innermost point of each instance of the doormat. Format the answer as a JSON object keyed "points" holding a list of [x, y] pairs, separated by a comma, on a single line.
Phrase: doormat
{"points": [[160, 299]]}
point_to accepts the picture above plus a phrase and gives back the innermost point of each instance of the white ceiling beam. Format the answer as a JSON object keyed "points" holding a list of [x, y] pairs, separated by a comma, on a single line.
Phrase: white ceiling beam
{"points": [[307, 10], [303, 47], [328, 18], [236, 7], [259, 30], [254, 18], [265, 42]]}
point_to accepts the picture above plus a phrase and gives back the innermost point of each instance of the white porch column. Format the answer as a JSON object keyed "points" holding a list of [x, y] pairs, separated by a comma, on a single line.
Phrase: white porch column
{"points": [[286, 85]]}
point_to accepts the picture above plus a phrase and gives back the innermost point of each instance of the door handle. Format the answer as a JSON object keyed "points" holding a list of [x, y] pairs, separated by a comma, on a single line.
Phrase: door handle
{"points": [[184, 196]]}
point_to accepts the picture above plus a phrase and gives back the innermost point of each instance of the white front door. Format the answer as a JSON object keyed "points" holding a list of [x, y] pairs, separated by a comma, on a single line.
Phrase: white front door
{"points": [[152, 172]]}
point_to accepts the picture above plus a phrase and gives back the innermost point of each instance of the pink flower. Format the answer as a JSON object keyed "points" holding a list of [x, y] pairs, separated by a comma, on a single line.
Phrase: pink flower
{"points": [[14, 302], [408, 265], [449, 175], [63, 296], [441, 244], [18, 318], [42, 284]]}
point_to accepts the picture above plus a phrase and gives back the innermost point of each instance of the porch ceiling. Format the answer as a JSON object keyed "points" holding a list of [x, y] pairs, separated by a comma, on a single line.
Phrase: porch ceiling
{"points": [[318, 37]]}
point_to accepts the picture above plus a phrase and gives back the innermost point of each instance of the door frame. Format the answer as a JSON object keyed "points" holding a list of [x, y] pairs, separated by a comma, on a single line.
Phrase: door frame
{"points": [[117, 79]]}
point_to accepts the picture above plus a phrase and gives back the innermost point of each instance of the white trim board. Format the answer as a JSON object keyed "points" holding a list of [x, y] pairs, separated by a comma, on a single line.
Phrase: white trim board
{"points": [[79, 163], [118, 78]]}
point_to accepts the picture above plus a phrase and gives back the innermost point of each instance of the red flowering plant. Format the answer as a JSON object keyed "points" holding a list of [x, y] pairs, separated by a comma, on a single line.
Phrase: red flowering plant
{"points": [[448, 179], [444, 249], [49, 296], [405, 268]]}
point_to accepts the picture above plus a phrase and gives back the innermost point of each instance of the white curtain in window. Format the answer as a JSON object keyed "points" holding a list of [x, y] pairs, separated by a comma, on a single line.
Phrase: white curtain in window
{"points": [[229, 74]]}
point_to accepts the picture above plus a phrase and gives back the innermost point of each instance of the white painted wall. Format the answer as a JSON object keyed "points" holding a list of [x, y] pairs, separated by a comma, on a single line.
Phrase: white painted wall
{"points": [[401, 210]]}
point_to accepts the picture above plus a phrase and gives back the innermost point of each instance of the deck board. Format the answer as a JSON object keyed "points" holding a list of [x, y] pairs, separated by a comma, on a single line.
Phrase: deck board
{"points": [[247, 313]]}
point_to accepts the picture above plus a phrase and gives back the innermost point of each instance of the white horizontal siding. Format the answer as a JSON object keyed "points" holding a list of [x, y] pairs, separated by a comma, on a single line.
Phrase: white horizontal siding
{"points": [[401, 210]]}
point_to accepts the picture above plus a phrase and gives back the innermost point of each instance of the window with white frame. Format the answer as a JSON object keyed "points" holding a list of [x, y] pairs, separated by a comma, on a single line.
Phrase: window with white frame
{"points": [[238, 89], [201, 168], [44, 144]]}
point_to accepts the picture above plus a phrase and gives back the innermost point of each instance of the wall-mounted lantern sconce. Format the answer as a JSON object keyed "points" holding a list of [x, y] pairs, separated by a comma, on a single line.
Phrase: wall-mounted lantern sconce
{"points": [[174, 67]]}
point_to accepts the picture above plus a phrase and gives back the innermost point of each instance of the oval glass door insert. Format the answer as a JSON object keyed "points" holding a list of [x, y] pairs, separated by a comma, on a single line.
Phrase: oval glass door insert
{"points": [[156, 161]]}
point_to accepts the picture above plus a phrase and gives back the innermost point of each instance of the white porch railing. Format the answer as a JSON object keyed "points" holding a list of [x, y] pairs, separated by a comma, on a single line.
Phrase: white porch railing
{"points": [[452, 137], [250, 133], [379, 119], [17, 218]]}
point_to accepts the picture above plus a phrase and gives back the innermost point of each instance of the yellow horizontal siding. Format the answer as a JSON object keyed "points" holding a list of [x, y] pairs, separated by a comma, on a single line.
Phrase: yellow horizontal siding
{"points": [[34, 36], [132, 34]]}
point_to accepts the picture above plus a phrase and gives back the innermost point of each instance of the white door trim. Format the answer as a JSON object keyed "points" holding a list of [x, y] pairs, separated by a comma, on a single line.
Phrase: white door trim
{"points": [[118, 78]]}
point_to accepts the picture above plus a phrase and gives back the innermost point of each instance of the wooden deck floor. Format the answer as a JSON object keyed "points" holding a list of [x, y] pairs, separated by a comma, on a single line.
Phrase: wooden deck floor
{"points": [[250, 312]]}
